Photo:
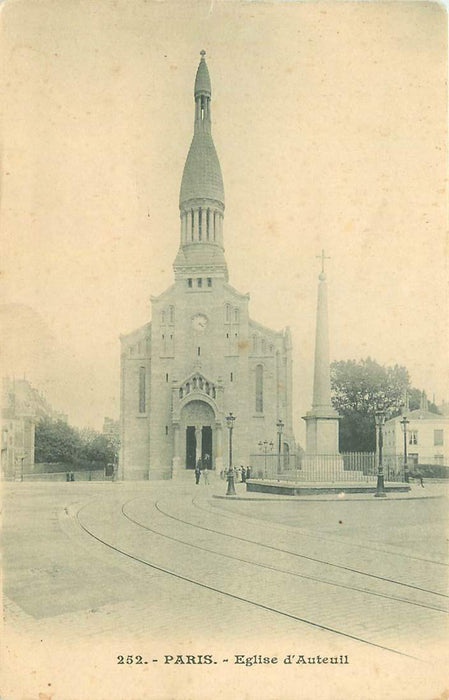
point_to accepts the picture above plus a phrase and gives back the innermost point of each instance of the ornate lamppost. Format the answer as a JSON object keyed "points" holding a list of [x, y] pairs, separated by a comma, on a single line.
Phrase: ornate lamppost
{"points": [[404, 422], [279, 426], [380, 420], [230, 475], [264, 446]]}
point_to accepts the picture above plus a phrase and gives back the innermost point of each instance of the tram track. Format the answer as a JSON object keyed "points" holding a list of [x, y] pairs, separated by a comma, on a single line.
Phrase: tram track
{"points": [[228, 594], [274, 568], [320, 538], [329, 623], [301, 556]]}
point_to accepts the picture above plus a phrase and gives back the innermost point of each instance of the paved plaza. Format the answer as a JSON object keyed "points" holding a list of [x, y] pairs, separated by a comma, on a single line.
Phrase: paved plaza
{"points": [[95, 571]]}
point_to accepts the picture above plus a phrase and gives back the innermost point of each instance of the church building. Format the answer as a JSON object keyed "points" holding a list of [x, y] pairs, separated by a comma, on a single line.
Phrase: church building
{"points": [[201, 357]]}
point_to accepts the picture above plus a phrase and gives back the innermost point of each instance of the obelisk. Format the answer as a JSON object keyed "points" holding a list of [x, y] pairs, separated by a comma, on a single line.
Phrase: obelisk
{"points": [[322, 420]]}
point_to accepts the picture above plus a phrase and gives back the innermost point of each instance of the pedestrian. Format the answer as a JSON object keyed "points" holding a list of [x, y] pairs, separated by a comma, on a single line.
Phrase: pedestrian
{"points": [[67, 477], [248, 473], [72, 476], [206, 475], [243, 471], [198, 472], [421, 480]]}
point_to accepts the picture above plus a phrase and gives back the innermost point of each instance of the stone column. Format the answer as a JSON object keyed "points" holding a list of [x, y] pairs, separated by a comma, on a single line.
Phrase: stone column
{"points": [[176, 464], [322, 420], [199, 441], [195, 224], [218, 447]]}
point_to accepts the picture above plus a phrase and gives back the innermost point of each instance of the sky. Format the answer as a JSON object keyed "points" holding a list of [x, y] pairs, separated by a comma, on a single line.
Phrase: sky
{"points": [[329, 120]]}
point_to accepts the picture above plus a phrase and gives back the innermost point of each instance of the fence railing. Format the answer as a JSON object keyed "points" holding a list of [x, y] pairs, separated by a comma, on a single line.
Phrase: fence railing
{"points": [[346, 466]]}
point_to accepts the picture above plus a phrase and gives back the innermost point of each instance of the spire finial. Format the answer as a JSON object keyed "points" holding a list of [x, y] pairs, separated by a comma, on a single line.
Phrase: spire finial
{"points": [[202, 53], [323, 257]]}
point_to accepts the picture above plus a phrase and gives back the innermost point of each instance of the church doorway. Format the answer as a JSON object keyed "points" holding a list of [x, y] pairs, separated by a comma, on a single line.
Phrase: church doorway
{"points": [[190, 447], [197, 421], [206, 446]]}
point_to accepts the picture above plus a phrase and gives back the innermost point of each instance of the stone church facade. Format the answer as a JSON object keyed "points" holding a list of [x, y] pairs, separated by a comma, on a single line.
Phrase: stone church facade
{"points": [[201, 356]]}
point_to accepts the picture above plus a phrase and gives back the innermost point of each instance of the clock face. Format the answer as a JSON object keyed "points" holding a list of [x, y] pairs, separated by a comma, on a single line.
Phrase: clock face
{"points": [[199, 322]]}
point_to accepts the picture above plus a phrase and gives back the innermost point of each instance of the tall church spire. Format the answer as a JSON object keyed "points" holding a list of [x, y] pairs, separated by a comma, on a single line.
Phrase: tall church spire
{"points": [[201, 199]]}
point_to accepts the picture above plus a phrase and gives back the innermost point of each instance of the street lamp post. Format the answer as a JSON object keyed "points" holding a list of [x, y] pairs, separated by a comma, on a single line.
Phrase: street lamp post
{"points": [[264, 446], [279, 426], [404, 422], [230, 476], [380, 420]]}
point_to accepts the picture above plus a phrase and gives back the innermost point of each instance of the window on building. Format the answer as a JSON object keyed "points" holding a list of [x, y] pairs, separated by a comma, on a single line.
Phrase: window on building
{"points": [[254, 343], [232, 377], [438, 459], [166, 429], [200, 224], [199, 282], [209, 281], [199, 351], [236, 315], [207, 223], [172, 314], [166, 377], [262, 346], [259, 389], [438, 437], [228, 313], [131, 350], [412, 437], [189, 282], [142, 390], [192, 223]]}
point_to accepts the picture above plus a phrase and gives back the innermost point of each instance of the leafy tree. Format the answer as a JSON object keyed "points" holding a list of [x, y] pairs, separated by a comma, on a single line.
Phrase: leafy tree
{"points": [[359, 389], [56, 441], [96, 447], [414, 397]]}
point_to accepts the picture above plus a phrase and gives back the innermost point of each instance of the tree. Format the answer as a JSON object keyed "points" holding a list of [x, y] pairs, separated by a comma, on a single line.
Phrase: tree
{"points": [[56, 441], [96, 447], [361, 388]]}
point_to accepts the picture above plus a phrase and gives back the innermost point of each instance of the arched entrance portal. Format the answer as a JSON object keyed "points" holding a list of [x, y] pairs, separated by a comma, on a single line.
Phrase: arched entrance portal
{"points": [[197, 427]]}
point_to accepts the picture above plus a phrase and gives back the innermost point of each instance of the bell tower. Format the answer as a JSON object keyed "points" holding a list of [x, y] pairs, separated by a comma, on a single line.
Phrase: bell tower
{"points": [[201, 199]]}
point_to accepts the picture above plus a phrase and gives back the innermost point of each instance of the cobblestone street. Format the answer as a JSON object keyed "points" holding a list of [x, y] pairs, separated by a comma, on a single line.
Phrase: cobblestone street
{"points": [[97, 570]]}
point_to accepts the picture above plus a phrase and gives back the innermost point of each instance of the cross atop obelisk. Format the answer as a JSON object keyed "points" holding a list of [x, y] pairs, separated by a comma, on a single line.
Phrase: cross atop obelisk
{"points": [[323, 257]]}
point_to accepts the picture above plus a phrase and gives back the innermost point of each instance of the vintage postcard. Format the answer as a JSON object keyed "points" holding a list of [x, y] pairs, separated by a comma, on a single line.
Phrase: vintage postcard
{"points": [[224, 333]]}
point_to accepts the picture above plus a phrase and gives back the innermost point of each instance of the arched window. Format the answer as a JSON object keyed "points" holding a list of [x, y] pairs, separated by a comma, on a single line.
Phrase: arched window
{"points": [[162, 317], [236, 315], [262, 346], [254, 343], [259, 389], [172, 314], [228, 313]]}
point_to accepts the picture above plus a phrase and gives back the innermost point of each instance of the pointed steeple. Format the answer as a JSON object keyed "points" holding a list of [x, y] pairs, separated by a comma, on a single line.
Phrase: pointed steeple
{"points": [[201, 199]]}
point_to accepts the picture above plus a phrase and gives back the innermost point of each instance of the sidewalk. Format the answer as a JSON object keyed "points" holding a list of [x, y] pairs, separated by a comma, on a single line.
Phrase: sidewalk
{"points": [[430, 490]]}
